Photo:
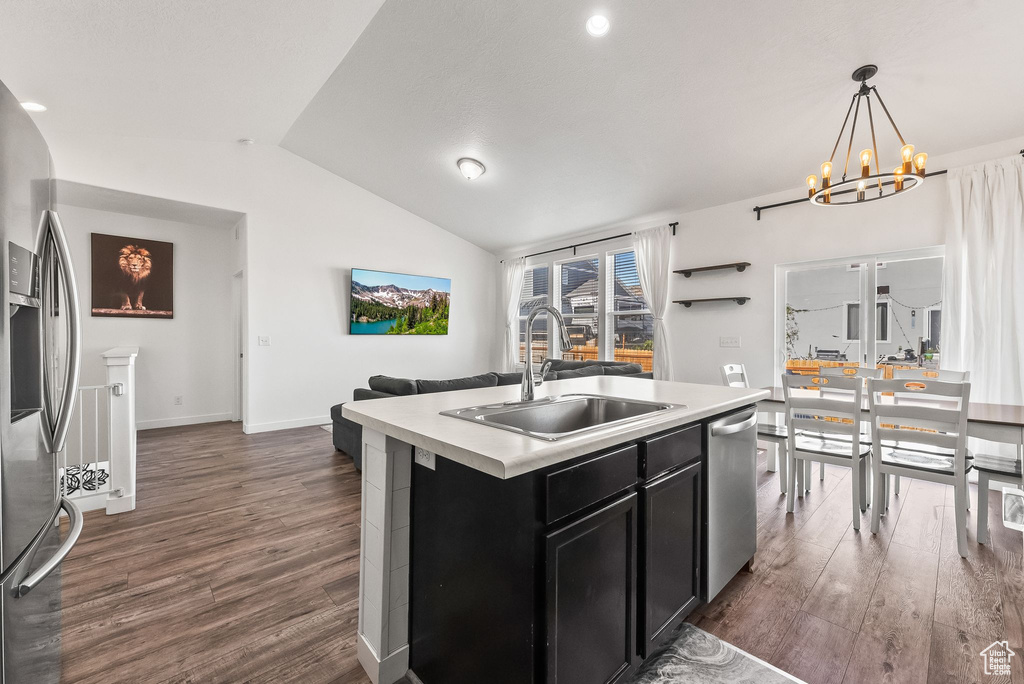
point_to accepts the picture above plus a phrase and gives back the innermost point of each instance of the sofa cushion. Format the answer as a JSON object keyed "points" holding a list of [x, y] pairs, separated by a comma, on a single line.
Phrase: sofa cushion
{"points": [[579, 372], [563, 364], [646, 376], [397, 386], [627, 369], [472, 382], [361, 393], [508, 378], [606, 364]]}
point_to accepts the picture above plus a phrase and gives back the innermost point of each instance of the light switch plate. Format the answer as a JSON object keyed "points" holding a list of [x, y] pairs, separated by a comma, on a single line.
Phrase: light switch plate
{"points": [[424, 458], [263, 340], [729, 341]]}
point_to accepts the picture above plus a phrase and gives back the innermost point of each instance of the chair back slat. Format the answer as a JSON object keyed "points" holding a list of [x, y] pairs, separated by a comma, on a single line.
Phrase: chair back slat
{"points": [[931, 374], [913, 389], [852, 371], [904, 436], [734, 375], [835, 406], [916, 415]]}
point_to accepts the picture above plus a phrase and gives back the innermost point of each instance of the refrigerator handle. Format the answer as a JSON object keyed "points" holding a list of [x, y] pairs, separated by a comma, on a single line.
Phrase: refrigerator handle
{"points": [[44, 570], [54, 252]]}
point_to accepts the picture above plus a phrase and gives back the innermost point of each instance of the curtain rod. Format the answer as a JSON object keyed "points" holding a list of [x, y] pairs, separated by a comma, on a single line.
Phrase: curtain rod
{"points": [[588, 242]]}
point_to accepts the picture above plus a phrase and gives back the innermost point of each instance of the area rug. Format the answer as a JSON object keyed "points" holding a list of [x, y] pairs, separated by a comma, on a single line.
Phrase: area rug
{"points": [[693, 656]]}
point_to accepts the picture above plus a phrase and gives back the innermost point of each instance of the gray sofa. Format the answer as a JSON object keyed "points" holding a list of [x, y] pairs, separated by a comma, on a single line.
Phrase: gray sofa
{"points": [[348, 436]]}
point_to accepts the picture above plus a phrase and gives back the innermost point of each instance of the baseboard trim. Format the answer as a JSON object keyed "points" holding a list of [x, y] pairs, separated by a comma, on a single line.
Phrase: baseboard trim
{"points": [[387, 671], [182, 420], [253, 428]]}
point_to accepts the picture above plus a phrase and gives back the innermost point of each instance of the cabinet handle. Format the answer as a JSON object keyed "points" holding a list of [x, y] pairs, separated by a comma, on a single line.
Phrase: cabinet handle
{"points": [[723, 430]]}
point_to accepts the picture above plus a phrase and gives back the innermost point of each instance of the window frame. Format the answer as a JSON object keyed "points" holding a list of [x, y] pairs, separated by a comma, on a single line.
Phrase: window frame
{"points": [[608, 346], [522, 318], [888, 321]]}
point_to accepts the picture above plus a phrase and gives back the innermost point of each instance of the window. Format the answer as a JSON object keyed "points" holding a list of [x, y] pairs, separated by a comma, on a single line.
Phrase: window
{"points": [[851, 321], [934, 329], [579, 288], [632, 325], [535, 293]]}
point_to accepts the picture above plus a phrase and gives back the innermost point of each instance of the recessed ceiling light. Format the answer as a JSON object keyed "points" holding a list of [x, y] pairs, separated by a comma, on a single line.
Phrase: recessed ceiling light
{"points": [[470, 168], [598, 25], [33, 107]]}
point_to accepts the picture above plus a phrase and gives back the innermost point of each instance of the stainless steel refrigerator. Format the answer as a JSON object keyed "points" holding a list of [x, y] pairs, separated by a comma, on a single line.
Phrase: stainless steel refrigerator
{"points": [[39, 364]]}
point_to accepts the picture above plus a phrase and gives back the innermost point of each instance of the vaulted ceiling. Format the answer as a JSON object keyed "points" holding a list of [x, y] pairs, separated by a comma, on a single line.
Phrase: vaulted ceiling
{"points": [[681, 105]]}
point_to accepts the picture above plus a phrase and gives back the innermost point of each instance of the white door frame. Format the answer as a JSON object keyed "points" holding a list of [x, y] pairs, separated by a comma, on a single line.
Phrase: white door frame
{"points": [[238, 335]]}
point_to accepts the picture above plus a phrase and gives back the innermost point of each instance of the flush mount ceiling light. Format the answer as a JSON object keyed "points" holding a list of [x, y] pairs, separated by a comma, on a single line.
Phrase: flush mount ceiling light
{"points": [[907, 176], [33, 107], [598, 25], [470, 168]]}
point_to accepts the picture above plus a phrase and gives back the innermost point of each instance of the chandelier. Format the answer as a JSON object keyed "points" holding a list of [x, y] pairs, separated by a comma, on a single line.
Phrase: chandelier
{"points": [[865, 186]]}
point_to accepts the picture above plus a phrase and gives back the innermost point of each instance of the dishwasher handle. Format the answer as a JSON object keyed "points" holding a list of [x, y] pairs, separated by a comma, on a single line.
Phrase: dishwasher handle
{"points": [[718, 430]]}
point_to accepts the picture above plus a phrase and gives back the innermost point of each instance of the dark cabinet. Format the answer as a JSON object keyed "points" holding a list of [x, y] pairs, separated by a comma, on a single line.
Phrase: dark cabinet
{"points": [[590, 597], [671, 553]]}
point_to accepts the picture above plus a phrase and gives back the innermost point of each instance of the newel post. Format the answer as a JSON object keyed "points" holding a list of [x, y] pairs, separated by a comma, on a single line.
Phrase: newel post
{"points": [[120, 363]]}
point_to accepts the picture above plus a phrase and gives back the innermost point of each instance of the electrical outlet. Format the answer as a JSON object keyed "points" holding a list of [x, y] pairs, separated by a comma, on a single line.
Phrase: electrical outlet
{"points": [[178, 400], [263, 340], [424, 458], [729, 341]]}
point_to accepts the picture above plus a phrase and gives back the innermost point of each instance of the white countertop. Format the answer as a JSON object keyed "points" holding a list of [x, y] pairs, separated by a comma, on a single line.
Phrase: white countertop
{"points": [[414, 419]]}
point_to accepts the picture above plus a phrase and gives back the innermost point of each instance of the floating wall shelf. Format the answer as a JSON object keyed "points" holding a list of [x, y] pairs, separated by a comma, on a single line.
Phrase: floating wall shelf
{"points": [[739, 266], [690, 302]]}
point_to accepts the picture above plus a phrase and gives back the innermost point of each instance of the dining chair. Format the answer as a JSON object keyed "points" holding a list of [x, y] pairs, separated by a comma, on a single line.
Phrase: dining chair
{"points": [[921, 432], [825, 427], [735, 375], [998, 468], [851, 372]]}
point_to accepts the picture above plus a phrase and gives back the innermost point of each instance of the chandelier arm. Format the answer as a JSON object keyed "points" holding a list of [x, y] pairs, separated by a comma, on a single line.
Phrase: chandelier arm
{"points": [[853, 127], [874, 145], [840, 136], [886, 110]]}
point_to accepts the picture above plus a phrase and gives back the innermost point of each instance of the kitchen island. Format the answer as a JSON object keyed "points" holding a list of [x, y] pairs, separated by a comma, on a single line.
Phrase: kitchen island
{"points": [[490, 555]]}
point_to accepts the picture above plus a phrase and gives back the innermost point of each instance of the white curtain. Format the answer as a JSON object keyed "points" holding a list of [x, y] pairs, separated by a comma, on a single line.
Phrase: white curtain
{"points": [[983, 284], [652, 249], [513, 273]]}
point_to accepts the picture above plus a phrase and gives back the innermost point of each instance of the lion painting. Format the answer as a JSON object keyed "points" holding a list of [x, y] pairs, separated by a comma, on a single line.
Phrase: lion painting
{"points": [[136, 265], [132, 277]]}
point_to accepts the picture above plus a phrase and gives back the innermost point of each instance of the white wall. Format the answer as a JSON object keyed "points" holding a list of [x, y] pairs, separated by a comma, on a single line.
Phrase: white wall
{"points": [[191, 355], [304, 229], [790, 234]]}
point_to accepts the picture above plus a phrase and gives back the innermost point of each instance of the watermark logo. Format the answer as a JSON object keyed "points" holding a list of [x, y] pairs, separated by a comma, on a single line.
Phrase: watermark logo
{"points": [[997, 659]]}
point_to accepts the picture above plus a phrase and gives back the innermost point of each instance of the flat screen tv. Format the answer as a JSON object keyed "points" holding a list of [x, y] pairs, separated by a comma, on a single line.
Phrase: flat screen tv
{"points": [[385, 303]]}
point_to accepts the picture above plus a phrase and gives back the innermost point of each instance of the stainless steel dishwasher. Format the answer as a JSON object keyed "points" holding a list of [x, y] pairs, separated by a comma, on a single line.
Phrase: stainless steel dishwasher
{"points": [[732, 500]]}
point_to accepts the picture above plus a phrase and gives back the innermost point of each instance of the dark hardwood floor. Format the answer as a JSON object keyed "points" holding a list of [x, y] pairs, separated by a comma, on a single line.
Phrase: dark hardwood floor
{"points": [[241, 565], [829, 604]]}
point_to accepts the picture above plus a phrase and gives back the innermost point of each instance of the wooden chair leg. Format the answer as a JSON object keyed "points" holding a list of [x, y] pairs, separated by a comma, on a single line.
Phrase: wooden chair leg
{"points": [[783, 466], [807, 475], [960, 499], [888, 487], [982, 507], [863, 476], [772, 458], [897, 484], [876, 503], [793, 487], [857, 497], [821, 471], [801, 471]]}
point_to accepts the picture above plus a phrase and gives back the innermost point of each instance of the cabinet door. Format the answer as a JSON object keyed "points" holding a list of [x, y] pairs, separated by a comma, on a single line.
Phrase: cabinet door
{"points": [[590, 597], [670, 556]]}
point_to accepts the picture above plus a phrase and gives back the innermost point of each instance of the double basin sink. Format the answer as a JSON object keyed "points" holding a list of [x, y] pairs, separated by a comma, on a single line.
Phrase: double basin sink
{"points": [[559, 417]]}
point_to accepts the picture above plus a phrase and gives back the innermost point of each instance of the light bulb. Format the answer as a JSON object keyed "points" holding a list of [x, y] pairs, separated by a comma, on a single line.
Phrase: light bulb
{"points": [[898, 181], [865, 157], [860, 190], [598, 25], [812, 182], [919, 161], [907, 153], [826, 169]]}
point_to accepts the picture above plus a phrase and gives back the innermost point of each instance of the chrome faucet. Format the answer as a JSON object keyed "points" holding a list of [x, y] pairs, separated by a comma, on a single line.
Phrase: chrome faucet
{"points": [[565, 344]]}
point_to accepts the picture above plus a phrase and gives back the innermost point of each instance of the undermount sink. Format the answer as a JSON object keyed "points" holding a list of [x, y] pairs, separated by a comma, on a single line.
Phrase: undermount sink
{"points": [[553, 418]]}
